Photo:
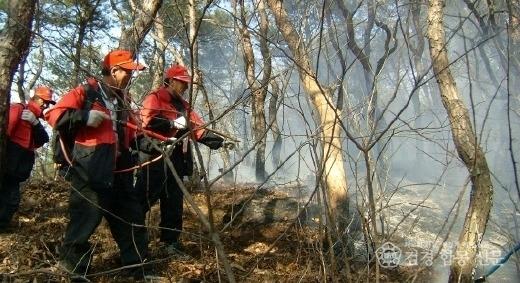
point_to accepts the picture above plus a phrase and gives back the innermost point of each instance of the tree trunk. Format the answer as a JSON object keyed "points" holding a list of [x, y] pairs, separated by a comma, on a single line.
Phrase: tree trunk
{"points": [[514, 52], [87, 10], [467, 147], [197, 80], [143, 16], [275, 130], [257, 94], [333, 175], [514, 18], [14, 41], [416, 44], [374, 115], [513, 7], [259, 111], [158, 68], [35, 70], [195, 19], [159, 53], [194, 47], [38, 69], [159, 37], [21, 76]]}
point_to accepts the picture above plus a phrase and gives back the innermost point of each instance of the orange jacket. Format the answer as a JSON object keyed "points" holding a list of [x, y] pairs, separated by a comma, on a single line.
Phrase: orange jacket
{"points": [[159, 109], [20, 131], [87, 136], [159, 103], [97, 151]]}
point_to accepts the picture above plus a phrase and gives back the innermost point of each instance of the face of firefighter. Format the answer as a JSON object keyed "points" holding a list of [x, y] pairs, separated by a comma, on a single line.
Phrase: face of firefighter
{"points": [[42, 103], [120, 78], [177, 87]]}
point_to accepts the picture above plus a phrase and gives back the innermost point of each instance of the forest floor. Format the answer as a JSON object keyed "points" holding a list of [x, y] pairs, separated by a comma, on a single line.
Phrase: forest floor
{"points": [[276, 248]]}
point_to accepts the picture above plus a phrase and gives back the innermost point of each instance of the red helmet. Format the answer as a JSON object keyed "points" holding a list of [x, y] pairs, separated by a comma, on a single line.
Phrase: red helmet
{"points": [[178, 72], [44, 93]]}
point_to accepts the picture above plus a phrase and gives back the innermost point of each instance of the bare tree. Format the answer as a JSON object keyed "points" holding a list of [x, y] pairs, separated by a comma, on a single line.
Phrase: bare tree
{"points": [[468, 148], [14, 41], [416, 44], [372, 150], [159, 53], [513, 49], [21, 69], [85, 14], [161, 37], [514, 19], [258, 89], [333, 175], [37, 70], [275, 130], [259, 100]]}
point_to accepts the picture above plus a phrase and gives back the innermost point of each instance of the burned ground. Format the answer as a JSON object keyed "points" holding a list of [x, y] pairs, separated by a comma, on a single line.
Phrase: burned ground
{"points": [[262, 243]]}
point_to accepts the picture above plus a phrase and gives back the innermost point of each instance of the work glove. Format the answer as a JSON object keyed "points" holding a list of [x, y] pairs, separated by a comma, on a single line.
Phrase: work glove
{"points": [[211, 140], [179, 123], [95, 117], [28, 116]]}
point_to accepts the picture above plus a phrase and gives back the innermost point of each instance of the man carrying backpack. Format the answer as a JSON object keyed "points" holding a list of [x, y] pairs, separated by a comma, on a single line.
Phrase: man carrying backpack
{"points": [[88, 115], [25, 133], [166, 112]]}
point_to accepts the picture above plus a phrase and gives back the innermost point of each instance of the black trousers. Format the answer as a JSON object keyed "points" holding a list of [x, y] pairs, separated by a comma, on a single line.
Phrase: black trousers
{"points": [[87, 206], [155, 182], [9, 199]]}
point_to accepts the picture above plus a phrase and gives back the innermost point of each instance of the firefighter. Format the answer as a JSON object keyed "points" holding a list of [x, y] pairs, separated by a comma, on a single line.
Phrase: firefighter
{"points": [[25, 133], [88, 115], [165, 111]]}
